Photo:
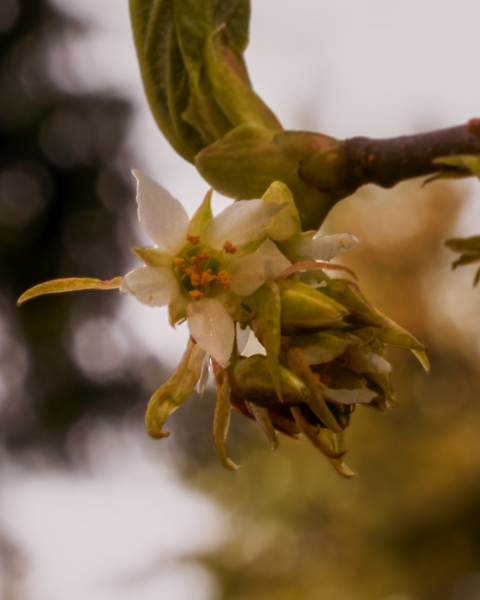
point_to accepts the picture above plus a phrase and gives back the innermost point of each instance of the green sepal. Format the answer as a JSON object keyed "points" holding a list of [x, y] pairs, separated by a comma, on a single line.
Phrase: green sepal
{"points": [[251, 378], [267, 306], [221, 420], [286, 223], [349, 296], [203, 216], [316, 400], [153, 257], [465, 165], [305, 309], [177, 310], [172, 394], [262, 416], [321, 347], [392, 334]]}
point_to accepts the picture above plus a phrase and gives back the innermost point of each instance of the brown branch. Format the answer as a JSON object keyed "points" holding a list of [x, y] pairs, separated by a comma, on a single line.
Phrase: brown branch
{"points": [[386, 162]]}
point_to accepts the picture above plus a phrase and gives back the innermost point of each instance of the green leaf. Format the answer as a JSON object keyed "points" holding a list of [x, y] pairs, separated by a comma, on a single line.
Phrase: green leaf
{"points": [[154, 34], [172, 394], [70, 284], [235, 14], [221, 420], [267, 308], [194, 25], [231, 86]]}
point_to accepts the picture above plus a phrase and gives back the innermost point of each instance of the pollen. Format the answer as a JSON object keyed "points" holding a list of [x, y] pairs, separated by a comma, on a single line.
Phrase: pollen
{"points": [[224, 279], [150, 298], [207, 277], [179, 263], [195, 269], [193, 239], [196, 295], [229, 248]]}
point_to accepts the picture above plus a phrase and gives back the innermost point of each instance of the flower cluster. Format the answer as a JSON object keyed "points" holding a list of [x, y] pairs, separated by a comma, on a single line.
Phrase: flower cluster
{"points": [[251, 272]]}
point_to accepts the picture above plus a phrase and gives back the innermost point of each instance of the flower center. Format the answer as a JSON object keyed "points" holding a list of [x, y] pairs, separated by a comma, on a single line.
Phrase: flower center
{"points": [[200, 268]]}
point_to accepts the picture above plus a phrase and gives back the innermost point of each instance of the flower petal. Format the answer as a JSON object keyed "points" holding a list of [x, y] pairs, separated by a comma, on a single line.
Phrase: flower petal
{"points": [[248, 274], [325, 247], [153, 287], [240, 223], [213, 328], [251, 271], [162, 216]]}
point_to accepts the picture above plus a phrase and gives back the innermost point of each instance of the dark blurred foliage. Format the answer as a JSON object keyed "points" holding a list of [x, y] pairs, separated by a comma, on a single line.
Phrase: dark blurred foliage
{"points": [[408, 526], [66, 210]]}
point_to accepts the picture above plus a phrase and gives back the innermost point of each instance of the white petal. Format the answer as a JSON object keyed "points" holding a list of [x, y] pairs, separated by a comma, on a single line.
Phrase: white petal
{"points": [[251, 271], [162, 216], [242, 337], [204, 375], [325, 247], [212, 328], [152, 286], [253, 347], [275, 262], [248, 274], [360, 396], [240, 223]]}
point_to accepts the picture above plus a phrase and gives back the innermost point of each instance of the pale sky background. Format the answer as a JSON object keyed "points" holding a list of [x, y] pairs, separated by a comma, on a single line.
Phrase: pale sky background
{"points": [[355, 67]]}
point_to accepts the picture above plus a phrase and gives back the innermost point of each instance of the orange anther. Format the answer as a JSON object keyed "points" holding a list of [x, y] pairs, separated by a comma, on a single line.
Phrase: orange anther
{"points": [[195, 294], [195, 279], [195, 269], [229, 248], [179, 263], [224, 279], [193, 239], [207, 277], [201, 257]]}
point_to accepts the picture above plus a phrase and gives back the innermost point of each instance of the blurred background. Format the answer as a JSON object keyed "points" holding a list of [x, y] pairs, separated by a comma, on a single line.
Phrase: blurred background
{"points": [[92, 508]]}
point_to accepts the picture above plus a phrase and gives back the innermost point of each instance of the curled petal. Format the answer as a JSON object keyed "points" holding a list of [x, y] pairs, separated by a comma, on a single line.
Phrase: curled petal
{"points": [[240, 223], [162, 216], [221, 420], [312, 265], [172, 394], [325, 247], [70, 284], [153, 287], [213, 328]]}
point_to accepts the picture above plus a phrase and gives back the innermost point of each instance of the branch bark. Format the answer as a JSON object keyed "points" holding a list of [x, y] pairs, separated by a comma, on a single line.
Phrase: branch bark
{"points": [[386, 162]]}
